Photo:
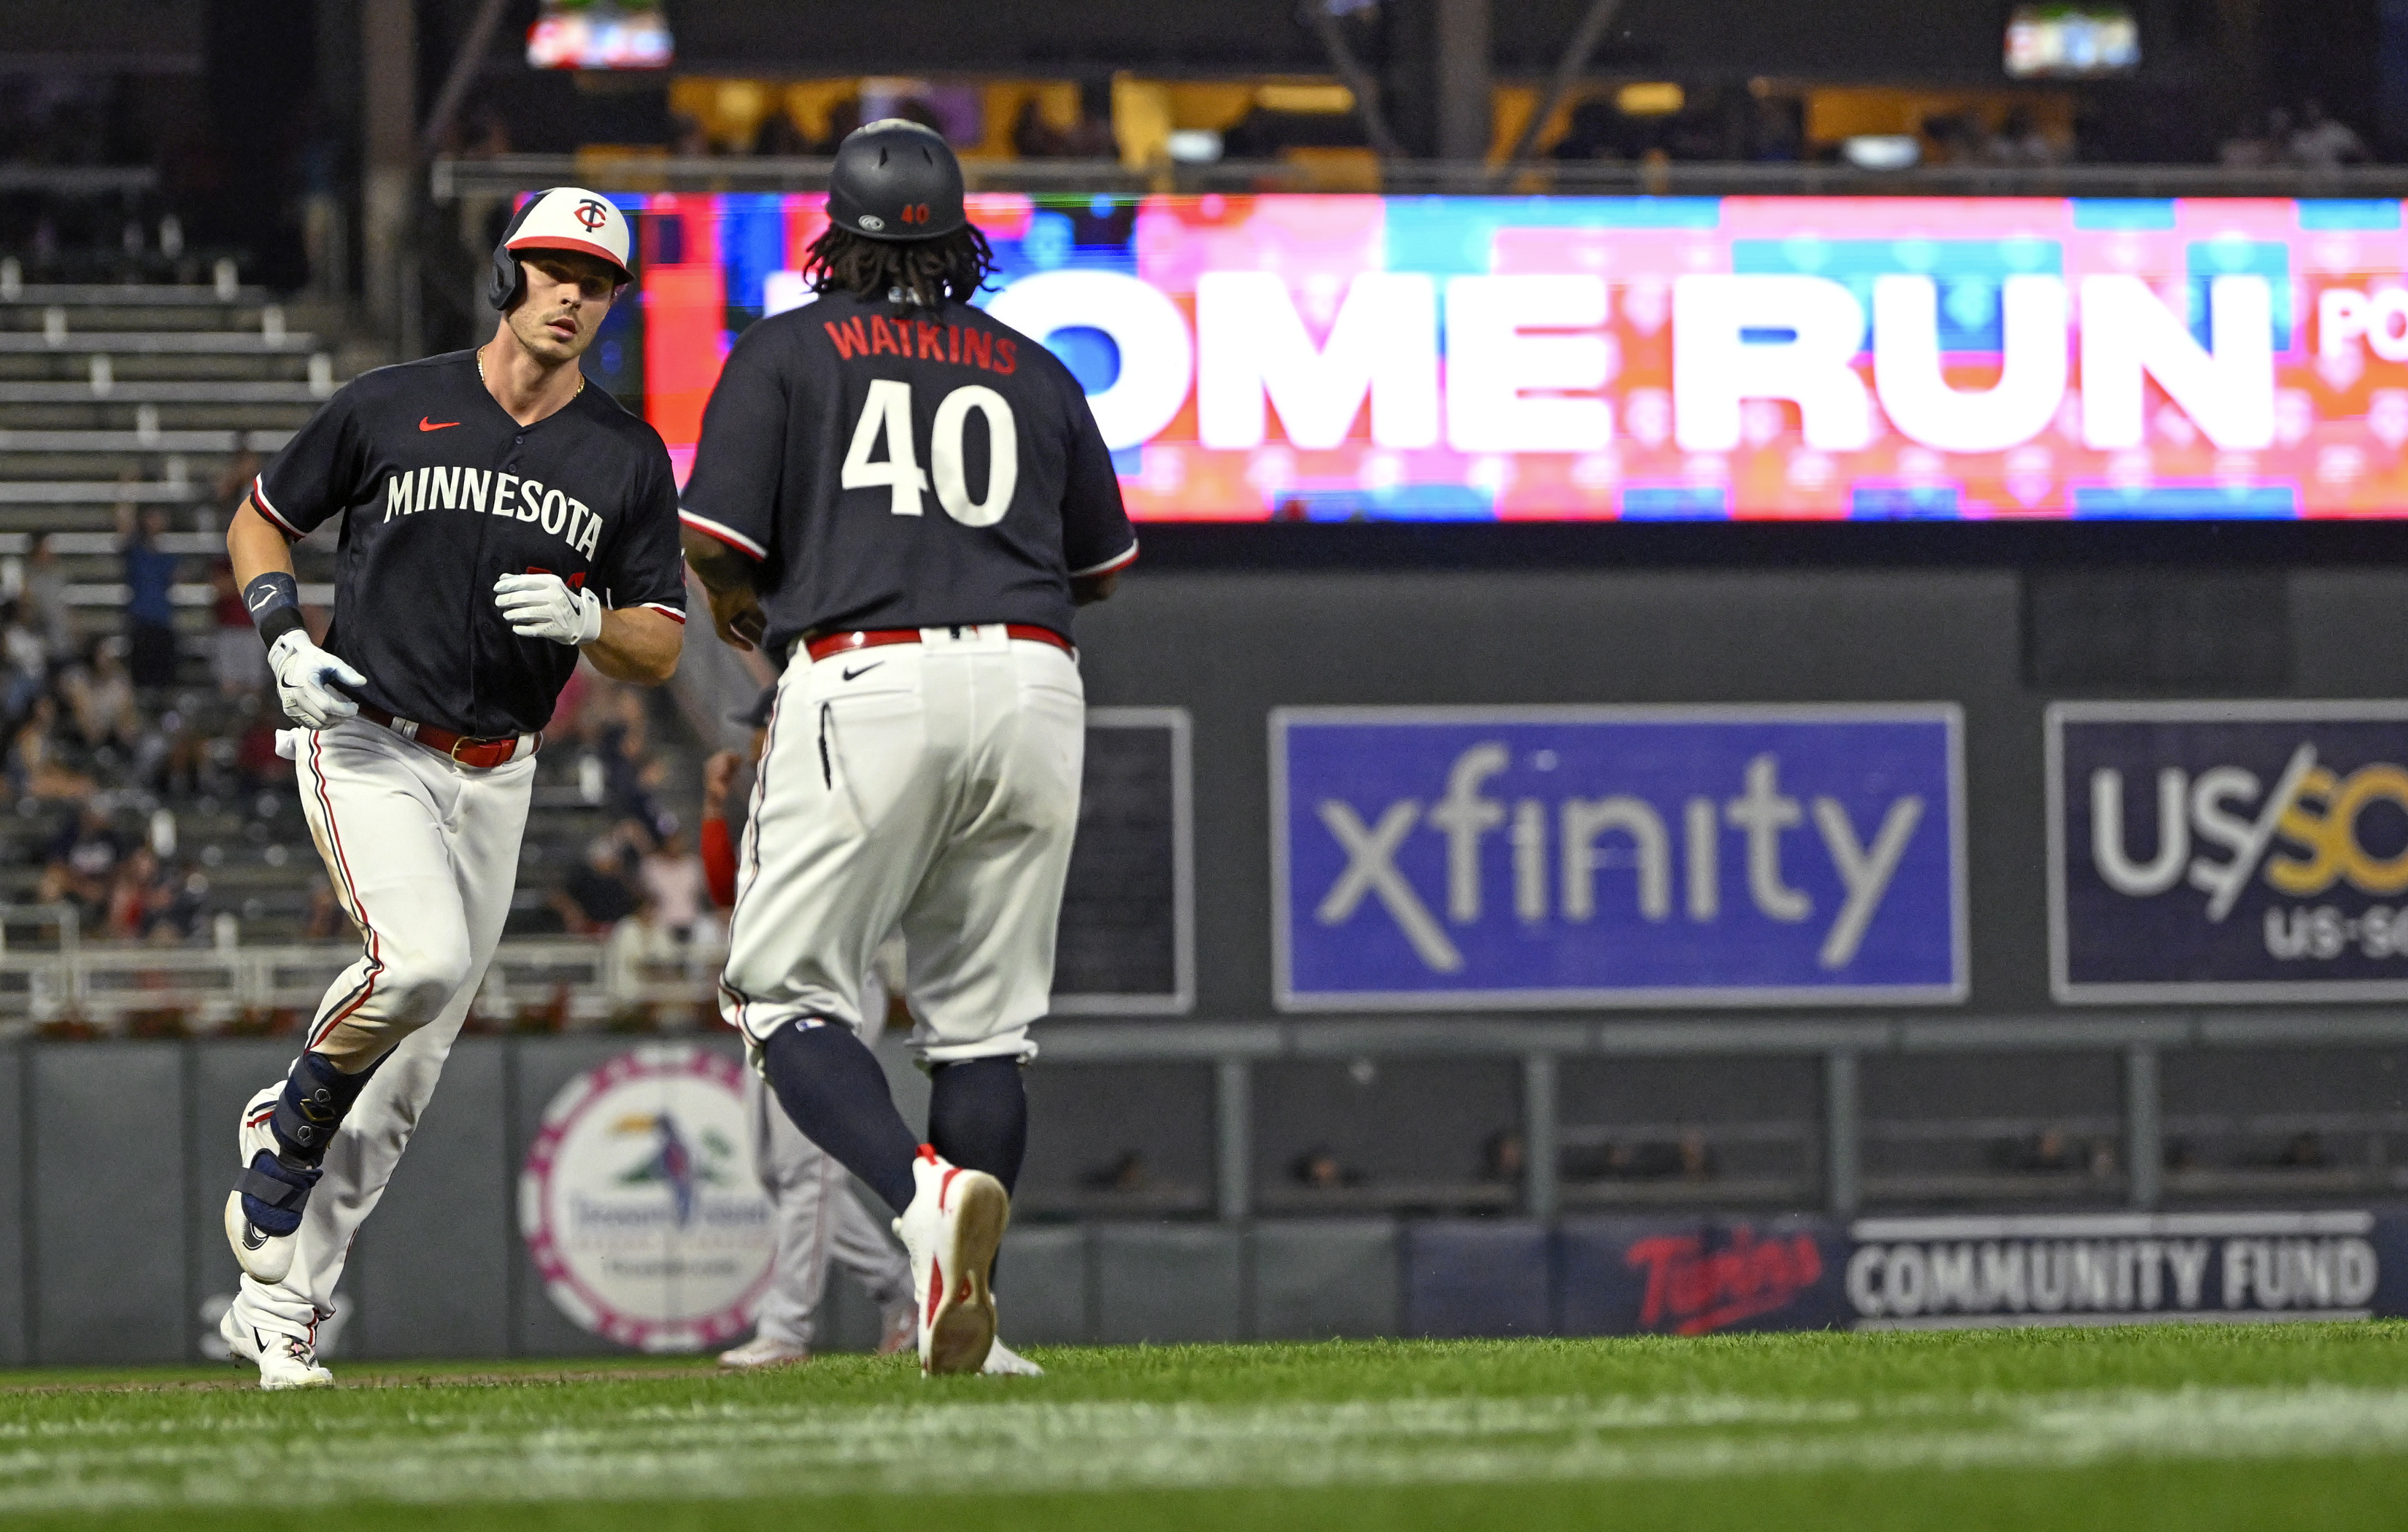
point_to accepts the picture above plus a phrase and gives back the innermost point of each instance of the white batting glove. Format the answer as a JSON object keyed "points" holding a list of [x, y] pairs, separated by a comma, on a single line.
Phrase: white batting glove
{"points": [[305, 681], [543, 607]]}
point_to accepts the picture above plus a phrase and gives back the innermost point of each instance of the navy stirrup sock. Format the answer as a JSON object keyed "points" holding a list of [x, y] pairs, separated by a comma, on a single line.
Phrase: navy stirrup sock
{"points": [[831, 1085], [978, 1116]]}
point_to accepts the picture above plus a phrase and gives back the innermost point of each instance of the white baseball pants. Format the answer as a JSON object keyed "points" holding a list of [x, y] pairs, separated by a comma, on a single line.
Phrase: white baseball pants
{"points": [[818, 1218], [930, 786], [424, 853]]}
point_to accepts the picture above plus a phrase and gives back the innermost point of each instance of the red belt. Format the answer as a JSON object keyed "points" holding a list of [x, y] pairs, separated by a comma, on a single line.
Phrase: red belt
{"points": [[837, 643], [484, 755]]}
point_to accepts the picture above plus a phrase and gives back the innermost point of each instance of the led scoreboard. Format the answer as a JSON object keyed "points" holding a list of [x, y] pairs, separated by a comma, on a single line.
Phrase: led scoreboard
{"points": [[1282, 357]]}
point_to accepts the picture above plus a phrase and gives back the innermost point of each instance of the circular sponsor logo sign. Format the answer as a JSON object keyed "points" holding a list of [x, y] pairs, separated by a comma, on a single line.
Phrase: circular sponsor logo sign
{"points": [[640, 1205]]}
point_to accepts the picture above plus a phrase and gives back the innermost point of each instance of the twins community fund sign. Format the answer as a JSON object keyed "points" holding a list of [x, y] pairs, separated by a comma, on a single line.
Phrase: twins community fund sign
{"points": [[640, 1205]]}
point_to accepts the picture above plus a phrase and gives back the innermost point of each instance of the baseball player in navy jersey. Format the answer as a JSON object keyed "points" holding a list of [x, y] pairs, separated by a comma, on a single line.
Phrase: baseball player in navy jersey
{"points": [[500, 518], [905, 500]]}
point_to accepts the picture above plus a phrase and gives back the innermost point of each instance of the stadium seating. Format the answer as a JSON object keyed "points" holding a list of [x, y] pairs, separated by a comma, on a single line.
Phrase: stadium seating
{"points": [[141, 396]]}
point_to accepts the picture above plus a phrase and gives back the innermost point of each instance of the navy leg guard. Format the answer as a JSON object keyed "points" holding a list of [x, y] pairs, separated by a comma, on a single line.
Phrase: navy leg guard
{"points": [[273, 1197], [316, 1099]]}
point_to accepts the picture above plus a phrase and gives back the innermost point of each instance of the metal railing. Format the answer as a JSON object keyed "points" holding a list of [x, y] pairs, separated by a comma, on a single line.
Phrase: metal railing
{"points": [[453, 179], [63, 977]]}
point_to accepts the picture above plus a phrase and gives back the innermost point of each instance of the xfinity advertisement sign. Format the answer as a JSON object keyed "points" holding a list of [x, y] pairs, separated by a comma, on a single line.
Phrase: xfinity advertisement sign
{"points": [[2228, 851], [1475, 857]]}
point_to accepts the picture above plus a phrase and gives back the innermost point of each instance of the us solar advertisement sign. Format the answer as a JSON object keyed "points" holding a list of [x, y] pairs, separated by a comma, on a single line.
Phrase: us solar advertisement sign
{"points": [[2228, 851], [1466, 858], [1567, 358]]}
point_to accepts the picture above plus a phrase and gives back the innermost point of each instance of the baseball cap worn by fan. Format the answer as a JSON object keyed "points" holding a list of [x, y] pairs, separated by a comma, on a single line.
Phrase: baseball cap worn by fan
{"points": [[563, 218]]}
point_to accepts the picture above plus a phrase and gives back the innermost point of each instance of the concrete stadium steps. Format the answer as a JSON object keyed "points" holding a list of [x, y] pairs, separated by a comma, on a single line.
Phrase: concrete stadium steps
{"points": [[41, 445], [64, 342], [121, 399], [104, 372], [146, 297]]}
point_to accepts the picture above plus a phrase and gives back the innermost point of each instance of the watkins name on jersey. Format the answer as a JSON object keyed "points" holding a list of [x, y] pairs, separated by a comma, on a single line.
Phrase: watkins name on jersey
{"points": [[918, 339]]}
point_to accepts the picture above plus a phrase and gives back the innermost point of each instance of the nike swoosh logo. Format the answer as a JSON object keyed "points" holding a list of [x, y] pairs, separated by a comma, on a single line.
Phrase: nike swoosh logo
{"points": [[864, 670], [265, 597], [425, 424]]}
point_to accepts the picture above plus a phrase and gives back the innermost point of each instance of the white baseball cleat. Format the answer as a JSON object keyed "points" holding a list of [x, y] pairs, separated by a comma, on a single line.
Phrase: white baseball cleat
{"points": [[1003, 1362], [284, 1360], [952, 1230], [764, 1351], [265, 1255]]}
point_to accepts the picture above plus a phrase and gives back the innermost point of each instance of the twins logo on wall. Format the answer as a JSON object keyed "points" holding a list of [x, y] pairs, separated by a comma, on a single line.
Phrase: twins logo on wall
{"points": [[2220, 851], [1538, 857], [640, 1205]]}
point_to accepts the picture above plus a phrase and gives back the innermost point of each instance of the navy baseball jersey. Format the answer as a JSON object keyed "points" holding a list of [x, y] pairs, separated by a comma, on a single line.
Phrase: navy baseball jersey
{"points": [[446, 493], [902, 468]]}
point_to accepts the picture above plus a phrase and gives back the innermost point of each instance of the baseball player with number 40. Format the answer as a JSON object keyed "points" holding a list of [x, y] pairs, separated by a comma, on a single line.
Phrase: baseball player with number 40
{"points": [[500, 519], [905, 500]]}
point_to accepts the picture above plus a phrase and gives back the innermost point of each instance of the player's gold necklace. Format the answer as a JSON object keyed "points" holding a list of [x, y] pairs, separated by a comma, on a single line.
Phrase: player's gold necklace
{"points": [[479, 356]]}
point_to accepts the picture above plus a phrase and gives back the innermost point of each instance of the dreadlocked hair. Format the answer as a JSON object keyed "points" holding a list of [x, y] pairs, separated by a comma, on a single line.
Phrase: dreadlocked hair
{"points": [[925, 272]]}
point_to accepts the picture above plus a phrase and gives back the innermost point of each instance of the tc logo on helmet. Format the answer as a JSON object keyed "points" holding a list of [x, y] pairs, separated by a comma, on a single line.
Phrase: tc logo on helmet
{"points": [[592, 214], [871, 221]]}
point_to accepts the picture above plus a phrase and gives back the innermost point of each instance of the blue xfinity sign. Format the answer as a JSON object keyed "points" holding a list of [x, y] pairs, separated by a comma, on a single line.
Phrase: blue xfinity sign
{"points": [[1538, 857]]}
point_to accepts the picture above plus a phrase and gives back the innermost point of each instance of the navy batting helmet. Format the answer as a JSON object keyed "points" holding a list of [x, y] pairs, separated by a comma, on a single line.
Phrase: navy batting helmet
{"points": [[896, 180]]}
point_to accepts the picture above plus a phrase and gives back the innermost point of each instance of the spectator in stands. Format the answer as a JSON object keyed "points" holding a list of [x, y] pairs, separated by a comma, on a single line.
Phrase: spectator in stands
{"points": [[689, 139], [597, 895], [81, 863], [234, 483], [2020, 141], [489, 135], [36, 768], [1503, 1158], [45, 598], [1778, 134], [127, 913], [255, 761], [671, 878], [1595, 133], [2305, 1151], [633, 775], [236, 660], [1318, 1169], [2323, 143], [149, 602], [1125, 1172], [778, 139], [1089, 137], [100, 695], [843, 117], [151, 902], [27, 659], [2259, 142]]}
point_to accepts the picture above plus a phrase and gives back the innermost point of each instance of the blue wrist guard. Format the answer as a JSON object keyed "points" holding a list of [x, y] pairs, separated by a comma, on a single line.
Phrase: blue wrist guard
{"points": [[275, 602]]}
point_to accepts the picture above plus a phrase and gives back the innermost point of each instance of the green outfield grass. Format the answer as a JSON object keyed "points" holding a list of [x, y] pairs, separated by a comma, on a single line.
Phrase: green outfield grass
{"points": [[2299, 1425]]}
